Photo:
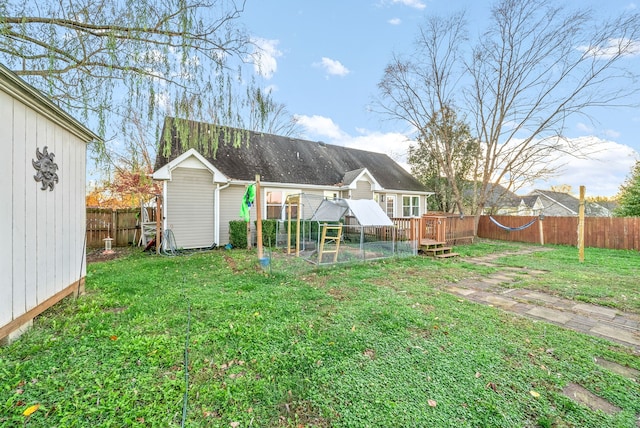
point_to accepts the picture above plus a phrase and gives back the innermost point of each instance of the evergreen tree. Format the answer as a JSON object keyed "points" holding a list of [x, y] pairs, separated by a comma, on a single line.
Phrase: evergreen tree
{"points": [[629, 196]]}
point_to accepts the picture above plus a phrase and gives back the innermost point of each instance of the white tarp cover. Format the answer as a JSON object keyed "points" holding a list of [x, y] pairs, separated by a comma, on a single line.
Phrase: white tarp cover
{"points": [[368, 212], [329, 210]]}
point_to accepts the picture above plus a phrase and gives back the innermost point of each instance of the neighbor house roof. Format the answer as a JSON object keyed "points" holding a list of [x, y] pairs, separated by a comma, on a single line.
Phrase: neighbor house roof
{"points": [[529, 200], [498, 196], [570, 203], [279, 159]]}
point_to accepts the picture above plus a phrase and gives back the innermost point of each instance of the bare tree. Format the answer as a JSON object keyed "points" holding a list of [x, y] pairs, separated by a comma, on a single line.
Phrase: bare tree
{"points": [[104, 59], [536, 65]]}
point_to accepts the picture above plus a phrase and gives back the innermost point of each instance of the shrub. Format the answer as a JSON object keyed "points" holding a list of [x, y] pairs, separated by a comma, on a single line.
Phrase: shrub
{"points": [[238, 233]]}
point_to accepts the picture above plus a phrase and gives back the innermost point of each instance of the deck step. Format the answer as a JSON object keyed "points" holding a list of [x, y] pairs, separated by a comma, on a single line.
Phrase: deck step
{"points": [[446, 255], [437, 250]]}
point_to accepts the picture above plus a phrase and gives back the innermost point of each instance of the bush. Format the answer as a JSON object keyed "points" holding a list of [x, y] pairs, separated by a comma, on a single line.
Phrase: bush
{"points": [[269, 232], [238, 233]]}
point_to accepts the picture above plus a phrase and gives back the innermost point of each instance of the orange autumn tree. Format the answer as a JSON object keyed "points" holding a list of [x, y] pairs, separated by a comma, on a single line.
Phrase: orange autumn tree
{"points": [[127, 189]]}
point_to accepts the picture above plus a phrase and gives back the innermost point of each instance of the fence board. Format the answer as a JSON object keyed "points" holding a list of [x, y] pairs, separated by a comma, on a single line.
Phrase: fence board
{"points": [[601, 232], [621, 233], [119, 224]]}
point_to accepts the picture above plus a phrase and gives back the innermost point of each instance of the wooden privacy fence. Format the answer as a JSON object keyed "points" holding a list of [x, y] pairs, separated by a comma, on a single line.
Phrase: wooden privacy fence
{"points": [[120, 224], [622, 233]]}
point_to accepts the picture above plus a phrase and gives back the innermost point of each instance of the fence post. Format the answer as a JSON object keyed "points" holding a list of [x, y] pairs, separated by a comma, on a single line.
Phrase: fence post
{"points": [[581, 225]]}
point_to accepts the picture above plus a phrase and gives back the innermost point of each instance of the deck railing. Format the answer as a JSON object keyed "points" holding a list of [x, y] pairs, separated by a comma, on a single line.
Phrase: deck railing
{"points": [[448, 228]]}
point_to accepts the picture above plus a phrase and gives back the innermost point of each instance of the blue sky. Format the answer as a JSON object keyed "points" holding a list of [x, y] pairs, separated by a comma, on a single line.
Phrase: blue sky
{"points": [[324, 59]]}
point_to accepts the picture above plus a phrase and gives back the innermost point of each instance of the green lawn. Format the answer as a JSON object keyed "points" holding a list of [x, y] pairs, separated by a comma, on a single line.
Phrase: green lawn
{"points": [[377, 344]]}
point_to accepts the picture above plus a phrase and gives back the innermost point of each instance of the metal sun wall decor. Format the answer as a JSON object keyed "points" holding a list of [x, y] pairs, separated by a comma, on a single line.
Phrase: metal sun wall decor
{"points": [[46, 168]]}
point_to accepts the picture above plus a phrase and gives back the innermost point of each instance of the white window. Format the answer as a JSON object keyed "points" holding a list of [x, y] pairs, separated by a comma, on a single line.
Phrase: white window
{"points": [[328, 194], [276, 204], [410, 206]]}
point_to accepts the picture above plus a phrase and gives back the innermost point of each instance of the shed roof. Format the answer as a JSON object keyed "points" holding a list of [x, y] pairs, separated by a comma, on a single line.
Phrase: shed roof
{"points": [[279, 159]]}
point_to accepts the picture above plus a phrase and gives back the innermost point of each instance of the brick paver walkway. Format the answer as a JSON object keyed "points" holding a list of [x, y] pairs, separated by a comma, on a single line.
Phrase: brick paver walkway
{"points": [[594, 320]]}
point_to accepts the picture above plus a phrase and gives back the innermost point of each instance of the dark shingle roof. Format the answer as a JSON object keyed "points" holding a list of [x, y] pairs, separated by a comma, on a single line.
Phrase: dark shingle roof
{"points": [[572, 203], [282, 159], [498, 196]]}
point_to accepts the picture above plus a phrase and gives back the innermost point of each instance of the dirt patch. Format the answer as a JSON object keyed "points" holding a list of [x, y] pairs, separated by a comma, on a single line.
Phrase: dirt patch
{"points": [[628, 372], [582, 395], [100, 255], [231, 263]]}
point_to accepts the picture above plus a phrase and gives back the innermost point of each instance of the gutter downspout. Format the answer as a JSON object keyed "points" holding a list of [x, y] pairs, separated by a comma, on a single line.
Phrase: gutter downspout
{"points": [[164, 205], [216, 212]]}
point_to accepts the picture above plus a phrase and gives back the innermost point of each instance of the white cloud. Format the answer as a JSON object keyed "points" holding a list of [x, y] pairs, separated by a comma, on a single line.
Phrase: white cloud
{"points": [[271, 89], [395, 21], [603, 133], [264, 58], [631, 6], [613, 47], [611, 133], [393, 144], [320, 127], [583, 127], [602, 173], [417, 4], [332, 67]]}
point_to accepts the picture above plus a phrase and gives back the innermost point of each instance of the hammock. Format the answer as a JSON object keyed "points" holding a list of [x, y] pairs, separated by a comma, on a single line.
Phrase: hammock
{"points": [[512, 229]]}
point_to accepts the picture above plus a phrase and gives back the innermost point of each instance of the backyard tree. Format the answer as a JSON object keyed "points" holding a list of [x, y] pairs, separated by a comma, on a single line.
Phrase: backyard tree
{"points": [[443, 158], [517, 83], [629, 196], [107, 60]]}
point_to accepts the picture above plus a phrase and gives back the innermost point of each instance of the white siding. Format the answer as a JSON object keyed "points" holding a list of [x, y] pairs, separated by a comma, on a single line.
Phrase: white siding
{"points": [[189, 207], [6, 209], [230, 202], [42, 231], [19, 210], [31, 192]]}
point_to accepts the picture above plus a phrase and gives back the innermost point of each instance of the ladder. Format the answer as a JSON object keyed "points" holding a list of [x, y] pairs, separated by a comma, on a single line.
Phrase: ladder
{"points": [[148, 224], [332, 240]]}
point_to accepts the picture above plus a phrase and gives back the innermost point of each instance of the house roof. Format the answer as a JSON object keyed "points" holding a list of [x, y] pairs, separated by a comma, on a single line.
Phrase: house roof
{"points": [[569, 202], [279, 159], [498, 196], [529, 200]]}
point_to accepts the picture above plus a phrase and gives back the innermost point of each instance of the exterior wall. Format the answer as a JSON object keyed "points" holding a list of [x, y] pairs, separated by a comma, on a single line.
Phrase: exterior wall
{"points": [[362, 190], [189, 209], [42, 254], [230, 202]]}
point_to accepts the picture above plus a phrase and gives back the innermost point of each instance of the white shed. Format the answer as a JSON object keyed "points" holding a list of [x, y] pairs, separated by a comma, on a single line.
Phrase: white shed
{"points": [[42, 213]]}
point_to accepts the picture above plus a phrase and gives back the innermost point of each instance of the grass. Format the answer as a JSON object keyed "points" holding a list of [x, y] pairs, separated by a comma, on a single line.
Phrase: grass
{"points": [[374, 344], [605, 277]]}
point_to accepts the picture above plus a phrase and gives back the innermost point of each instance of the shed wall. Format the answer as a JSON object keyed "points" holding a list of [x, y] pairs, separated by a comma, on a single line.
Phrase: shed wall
{"points": [[42, 231]]}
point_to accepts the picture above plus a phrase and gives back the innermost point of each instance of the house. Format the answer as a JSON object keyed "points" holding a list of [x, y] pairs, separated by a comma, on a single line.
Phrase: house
{"points": [[500, 200], [205, 170], [563, 204], [42, 215]]}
